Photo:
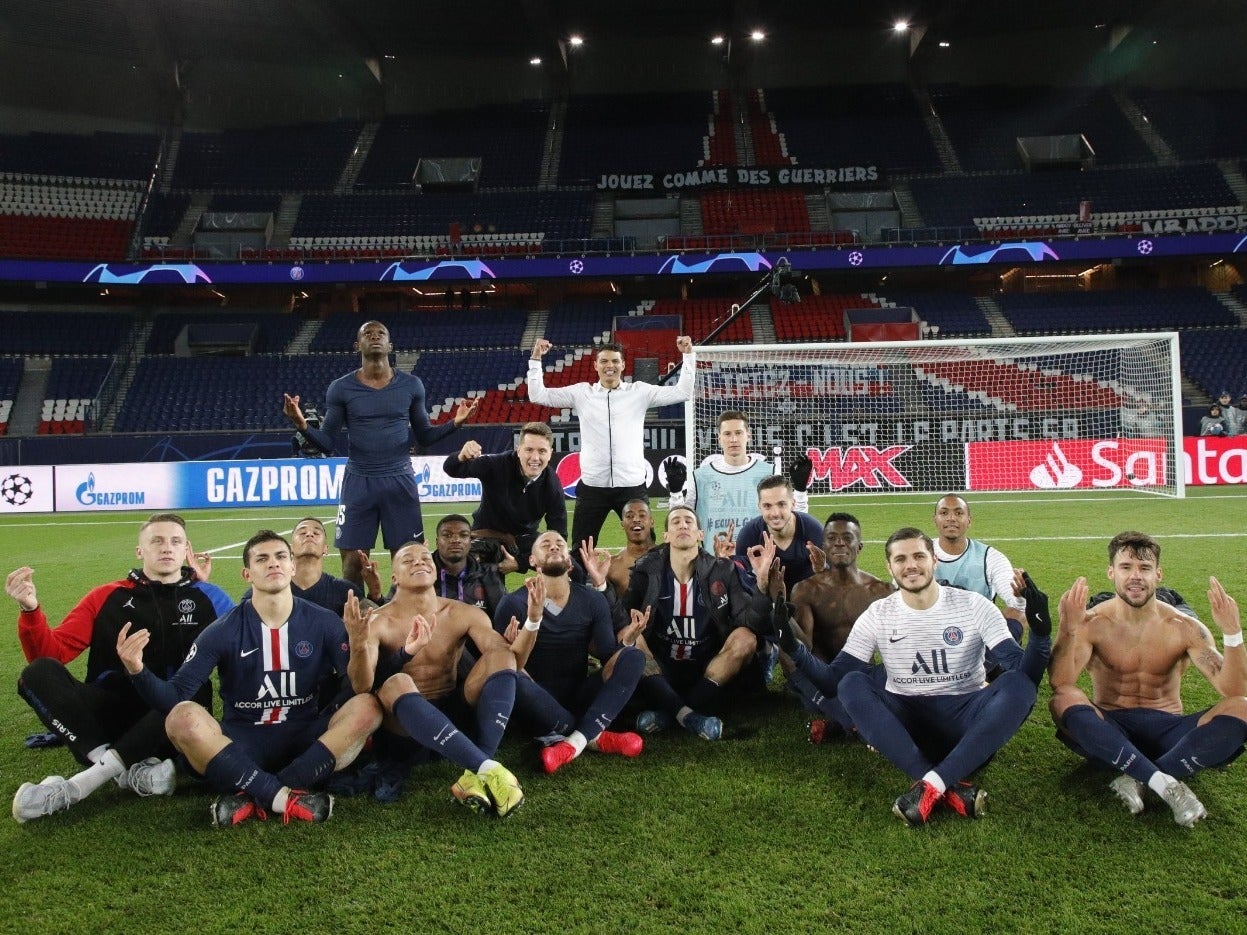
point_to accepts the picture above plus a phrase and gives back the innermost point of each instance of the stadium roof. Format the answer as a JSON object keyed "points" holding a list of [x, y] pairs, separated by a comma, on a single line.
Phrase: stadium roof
{"points": [[313, 30]]}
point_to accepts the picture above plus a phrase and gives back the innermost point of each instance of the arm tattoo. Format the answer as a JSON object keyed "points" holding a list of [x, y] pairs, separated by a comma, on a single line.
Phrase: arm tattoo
{"points": [[1210, 661]]}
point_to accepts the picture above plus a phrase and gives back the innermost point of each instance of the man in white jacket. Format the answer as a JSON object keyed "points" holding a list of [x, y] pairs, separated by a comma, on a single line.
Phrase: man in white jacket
{"points": [[612, 424]]}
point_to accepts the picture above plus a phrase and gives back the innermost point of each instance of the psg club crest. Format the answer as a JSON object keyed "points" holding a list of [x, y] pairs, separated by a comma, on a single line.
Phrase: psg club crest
{"points": [[953, 636], [303, 649]]}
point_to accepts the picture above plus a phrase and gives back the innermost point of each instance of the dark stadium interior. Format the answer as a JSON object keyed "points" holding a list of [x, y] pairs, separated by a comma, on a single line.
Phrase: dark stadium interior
{"points": [[130, 125]]}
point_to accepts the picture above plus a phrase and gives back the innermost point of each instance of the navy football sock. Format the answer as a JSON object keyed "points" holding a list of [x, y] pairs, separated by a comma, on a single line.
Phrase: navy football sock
{"points": [[614, 693], [538, 706], [233, 770], [1212, 744], [430, 727], [310, 769], [1009, 701], [493, 710], [658, 693], [1106, 742], [702, 693]]}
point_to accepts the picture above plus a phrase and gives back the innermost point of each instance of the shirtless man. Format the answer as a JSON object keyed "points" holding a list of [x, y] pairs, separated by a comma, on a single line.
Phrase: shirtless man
{"points": [[638, 527], [1136, 649], [414, 675], [826, 607]]}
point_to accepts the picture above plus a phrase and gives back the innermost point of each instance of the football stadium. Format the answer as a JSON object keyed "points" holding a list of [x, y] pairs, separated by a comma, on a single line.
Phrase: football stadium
{"points": [[903, 296]]}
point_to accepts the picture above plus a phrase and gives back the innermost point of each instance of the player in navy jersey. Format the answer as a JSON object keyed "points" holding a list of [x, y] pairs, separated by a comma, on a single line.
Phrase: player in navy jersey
{"points": [[792, 533], [380, 408], [931, 717], [273, 743], [311, 582], [108, 728], [565, 623], [700, 628], [419, 684]]}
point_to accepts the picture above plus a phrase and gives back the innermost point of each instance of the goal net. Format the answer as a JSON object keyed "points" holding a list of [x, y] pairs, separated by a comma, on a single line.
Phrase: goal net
{"points": [[1047, 413]]}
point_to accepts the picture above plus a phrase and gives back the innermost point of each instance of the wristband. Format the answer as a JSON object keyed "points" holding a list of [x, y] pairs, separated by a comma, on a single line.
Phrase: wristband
{"points": [[601, 588], [1232, 639], [403, 656], [532, 626]]}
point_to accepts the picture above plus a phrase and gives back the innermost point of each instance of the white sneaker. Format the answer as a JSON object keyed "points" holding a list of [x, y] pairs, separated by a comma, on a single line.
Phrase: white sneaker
{"points": [[1186, 808], [37, 799], [1130, 791], [151, 776]]}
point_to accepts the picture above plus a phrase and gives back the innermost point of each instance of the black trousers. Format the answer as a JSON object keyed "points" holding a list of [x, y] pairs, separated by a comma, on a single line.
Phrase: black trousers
{"points": [[105, 712], [594, 504]]}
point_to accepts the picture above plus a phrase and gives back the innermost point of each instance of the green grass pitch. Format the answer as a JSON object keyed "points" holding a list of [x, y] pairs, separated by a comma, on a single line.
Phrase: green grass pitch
{"points": [[757, 833]]}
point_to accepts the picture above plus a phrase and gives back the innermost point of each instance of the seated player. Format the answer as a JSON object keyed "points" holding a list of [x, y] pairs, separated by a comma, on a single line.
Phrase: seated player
{"points": [[419, 687], [565, 623], [825, 608], [699, 628], [932, 717], [1136, 649], [791, 531], [274, 746], [462, 576], [107, 727]]}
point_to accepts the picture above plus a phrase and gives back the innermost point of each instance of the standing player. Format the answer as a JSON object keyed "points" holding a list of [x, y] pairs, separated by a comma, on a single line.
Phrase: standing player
{"points": [[1136, 649], [107, 726], [273, 744], [518, 489], [380, 408], [724, 487], [932, 717], [973, 564], [612, 429], [565, 623]]}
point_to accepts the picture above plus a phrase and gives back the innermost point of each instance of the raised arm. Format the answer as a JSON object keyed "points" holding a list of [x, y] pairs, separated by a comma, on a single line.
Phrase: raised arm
{"points": [[682, 389], [1228, 673], [1073, 648], [538, 392]]}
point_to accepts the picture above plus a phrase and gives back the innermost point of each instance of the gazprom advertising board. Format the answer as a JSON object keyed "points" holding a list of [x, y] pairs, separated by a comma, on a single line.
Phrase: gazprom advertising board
{"points": [[191, 485]]}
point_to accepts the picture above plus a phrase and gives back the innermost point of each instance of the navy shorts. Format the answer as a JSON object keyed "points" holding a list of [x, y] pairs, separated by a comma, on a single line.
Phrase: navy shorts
{"points": [[1153, 732], [274, 746], [391, 503]]}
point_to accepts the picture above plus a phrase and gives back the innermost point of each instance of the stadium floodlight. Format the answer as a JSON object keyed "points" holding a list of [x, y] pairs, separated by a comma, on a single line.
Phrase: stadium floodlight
{"points": [[1070, 413]]}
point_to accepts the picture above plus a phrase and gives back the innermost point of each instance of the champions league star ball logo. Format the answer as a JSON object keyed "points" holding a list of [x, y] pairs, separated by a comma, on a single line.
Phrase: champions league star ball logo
{"points": [[1145, 247], [576, 266], [16, 489]]}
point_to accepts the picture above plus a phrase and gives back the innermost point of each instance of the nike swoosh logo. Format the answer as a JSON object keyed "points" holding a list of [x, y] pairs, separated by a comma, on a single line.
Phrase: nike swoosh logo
{"points": [[249, 652], [895, 639]]}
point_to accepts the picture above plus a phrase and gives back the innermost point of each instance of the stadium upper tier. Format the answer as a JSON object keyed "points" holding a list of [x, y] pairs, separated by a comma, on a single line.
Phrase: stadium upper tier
{"points": [[349, 187]]}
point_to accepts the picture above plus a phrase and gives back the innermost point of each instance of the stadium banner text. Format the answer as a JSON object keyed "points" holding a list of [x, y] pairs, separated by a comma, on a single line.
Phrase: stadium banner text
{"points": [[190, 485], [1211, 460], [1069, 464], [740, 176]]}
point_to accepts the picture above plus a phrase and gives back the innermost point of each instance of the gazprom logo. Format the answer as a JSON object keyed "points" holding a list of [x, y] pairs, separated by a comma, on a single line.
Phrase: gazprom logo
{"points": [[88, 496]]}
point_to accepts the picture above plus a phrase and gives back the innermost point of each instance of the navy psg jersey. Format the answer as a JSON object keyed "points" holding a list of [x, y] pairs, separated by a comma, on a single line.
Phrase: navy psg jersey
{"points": [[269, 675]]}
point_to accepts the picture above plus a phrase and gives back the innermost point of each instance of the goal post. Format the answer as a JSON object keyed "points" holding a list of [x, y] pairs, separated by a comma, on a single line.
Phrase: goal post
{"points": [[1085, 412]]}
